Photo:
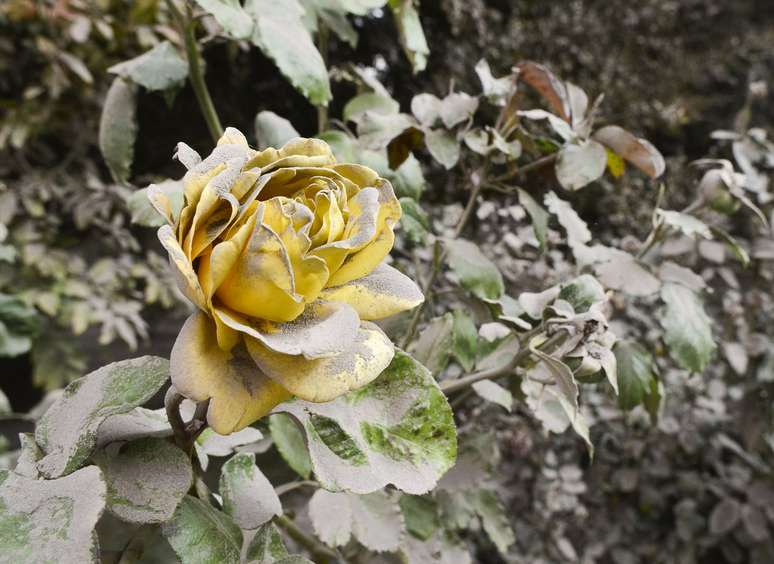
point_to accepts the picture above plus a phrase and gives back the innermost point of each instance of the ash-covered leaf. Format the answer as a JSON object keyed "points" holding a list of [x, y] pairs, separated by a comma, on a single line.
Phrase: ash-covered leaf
{"points": [[67, 432], [494, 520], [397, 430], [412, 36], [624, 272], [51, 520], [135, 424], [456, 108], [577, 230], [687, 328], [234, 20], [248, 496], [158, 69], [200, 534], [476, 273], [494, 392], [289, 440], [579, 165], [496, 90], [374, 519], [280, 33], [118, 128], [272, 130], [143, 213], [146, 479], [27, 463], [685, 223], [369, 102], [443, 146]]}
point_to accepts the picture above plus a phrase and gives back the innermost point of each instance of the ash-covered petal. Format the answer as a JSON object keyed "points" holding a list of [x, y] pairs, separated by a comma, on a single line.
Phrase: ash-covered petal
{"points": [[239, 392], [384, 292], [184, 274], [325, 379], [325, 329]]}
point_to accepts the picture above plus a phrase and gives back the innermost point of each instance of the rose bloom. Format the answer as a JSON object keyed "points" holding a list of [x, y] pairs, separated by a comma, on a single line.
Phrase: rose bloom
{"points": [[282, 251]]}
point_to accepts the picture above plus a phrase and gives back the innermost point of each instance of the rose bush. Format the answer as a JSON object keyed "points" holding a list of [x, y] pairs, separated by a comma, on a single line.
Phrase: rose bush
{"points": [[283, 253]]}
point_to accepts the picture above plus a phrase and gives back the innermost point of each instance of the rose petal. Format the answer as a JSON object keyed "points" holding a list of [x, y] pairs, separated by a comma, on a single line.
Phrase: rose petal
{"points": [[240, 393], [324, 329], [384, 292], [261, 284], [324, 379], [296, 152], [182, 270]]}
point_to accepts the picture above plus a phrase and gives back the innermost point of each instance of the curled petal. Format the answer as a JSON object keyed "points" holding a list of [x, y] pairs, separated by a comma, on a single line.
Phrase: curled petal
{"points": [[325, 329], [324, 379], [384, 292], [296, 152], [182, 270], [239, 392]]}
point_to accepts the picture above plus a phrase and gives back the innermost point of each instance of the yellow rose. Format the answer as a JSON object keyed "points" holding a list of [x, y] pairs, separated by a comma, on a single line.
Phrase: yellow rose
{"points": [[282, 251]]}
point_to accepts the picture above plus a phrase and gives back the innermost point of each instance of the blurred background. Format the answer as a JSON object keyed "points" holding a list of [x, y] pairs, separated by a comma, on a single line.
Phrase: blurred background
{"points": [[81, 284]]}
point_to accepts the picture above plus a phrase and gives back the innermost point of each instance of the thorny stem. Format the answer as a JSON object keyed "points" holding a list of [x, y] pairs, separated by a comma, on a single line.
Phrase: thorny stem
{"points": [[320, 553], [187, 24], [290, 486], [172, 401], [527, 168]]}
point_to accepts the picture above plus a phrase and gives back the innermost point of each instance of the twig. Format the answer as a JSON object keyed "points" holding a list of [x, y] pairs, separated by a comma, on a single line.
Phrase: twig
{"points": [[320, 553], [290, 486], [527, 168]]}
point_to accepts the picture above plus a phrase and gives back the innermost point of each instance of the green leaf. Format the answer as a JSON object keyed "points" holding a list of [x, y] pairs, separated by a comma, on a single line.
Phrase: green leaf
{"points": [[289, 440], [266, 547], [687, 328], [739, 252], [635, 373], [146, 479], [51, 520], [465, 342], [158, 69], [118, 128], [475, 272], [200, 534], [374, 519], [582, 292], [248, 496], [143, 213], [538, 215], [230, 15], [412, 37], [443, 146], [19, 324], [369, 102], [397, 430], [494, 392], [420, 513], [280, 33], [272, 130], [67, 432], [414, 222], [433, 348]]}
